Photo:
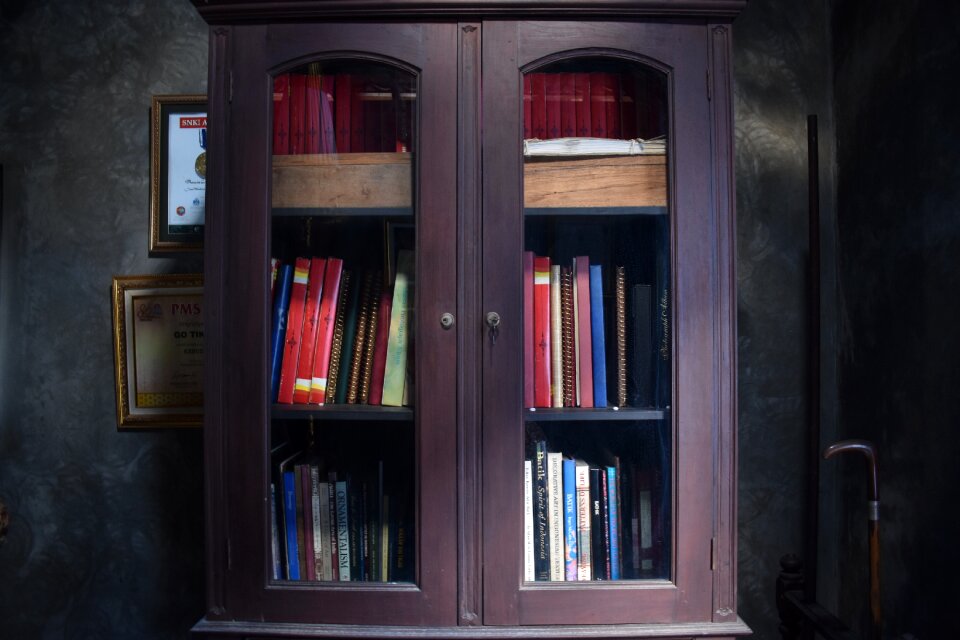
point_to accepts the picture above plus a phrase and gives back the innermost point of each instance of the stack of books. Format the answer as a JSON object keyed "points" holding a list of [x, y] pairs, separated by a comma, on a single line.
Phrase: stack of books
{"points": [[339, 113], [591, 105], [334, 526], [588, 522], [341, 337]]}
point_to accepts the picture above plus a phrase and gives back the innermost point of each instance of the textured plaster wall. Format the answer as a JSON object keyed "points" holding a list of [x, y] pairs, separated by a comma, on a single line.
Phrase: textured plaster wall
{"points": [[106, 538], [782, 68], [897, 62]]}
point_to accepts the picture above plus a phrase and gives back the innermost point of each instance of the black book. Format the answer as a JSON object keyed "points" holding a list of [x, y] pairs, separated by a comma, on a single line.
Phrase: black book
{"points": [[355, 520], [662, 328], [541, 510], [640, 347], [598, 545]]}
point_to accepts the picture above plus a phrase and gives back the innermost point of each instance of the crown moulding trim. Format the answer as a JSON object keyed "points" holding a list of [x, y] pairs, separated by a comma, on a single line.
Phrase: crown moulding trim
{"points": [[246, 11]]}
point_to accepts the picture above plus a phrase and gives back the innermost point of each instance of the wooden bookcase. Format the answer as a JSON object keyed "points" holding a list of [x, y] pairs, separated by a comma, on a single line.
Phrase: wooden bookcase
{"points": [[443, 173]]}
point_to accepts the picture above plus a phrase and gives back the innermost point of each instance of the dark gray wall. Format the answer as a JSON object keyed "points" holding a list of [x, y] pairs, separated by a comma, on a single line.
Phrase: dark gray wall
{"points": [[898, 124], [782, 68], [106, 538]]}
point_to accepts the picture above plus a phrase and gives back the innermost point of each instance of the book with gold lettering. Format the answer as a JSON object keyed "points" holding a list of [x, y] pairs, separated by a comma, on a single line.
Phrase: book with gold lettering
{"points": [[359, 341], [556, 339], [281, 114], [566, 320], [369, 344], [395, 367], [336, 348], [621, 323]]}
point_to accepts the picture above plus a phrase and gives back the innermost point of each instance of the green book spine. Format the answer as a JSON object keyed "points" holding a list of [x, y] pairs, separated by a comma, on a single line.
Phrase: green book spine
{"points": [[396, 365]]}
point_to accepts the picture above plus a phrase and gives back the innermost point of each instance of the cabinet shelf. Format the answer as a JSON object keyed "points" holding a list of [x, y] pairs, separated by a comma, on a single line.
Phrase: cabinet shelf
{"points": [[356, 413], [653, 210], [593, 415]]}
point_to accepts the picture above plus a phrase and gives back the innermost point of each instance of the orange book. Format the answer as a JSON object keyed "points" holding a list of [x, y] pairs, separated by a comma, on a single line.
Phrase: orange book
{"points": [[541, 331], [308, 339], [585, 335], [291, 343], [327, 320]]}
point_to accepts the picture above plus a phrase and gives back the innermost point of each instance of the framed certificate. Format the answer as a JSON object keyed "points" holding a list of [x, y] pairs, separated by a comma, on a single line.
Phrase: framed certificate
{"points": [[158, 350], [178, 172]]}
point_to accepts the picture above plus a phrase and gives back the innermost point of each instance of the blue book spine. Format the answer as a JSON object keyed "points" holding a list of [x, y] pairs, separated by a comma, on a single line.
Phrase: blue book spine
{"points": [[570, 520], [278, 330], [612, 499], [290, 524], [596, 329]]}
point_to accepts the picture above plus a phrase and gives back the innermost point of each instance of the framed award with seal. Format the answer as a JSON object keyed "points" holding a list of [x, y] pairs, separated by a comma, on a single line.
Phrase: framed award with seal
{"points": [[178, 172], [158, 350]]}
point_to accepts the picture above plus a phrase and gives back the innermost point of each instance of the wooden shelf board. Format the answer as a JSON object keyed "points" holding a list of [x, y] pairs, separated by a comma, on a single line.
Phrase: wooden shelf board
{"points": [[592, 415], [595, 211], [356, 412]]}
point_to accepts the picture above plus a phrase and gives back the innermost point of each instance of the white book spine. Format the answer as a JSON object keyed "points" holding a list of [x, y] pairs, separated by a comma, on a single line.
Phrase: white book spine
{"points": [[343, 532], [528, 571], [555, 514], [584, 566]]}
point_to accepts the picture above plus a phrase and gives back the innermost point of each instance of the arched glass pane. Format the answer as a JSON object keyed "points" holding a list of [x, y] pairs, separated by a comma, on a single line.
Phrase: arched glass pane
{"points": [[341, 352], [597, 339]]}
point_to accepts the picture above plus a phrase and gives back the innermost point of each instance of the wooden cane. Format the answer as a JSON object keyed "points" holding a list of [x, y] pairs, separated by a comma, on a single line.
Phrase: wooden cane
{"points": [[873, 523]]}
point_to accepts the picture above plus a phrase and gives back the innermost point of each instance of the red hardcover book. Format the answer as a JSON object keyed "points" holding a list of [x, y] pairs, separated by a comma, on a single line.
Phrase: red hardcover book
{"points": [[585, 369], [598, 110], [581, 96], [311, 118], [568, 106], [628, 106], [291, 343], [541, 331], [298, 104], [328, 126], [281, 114], [527, 107], [612, 102], [553, 105], [372, 106], [356, 116], [528, 329], [538, 105], [328, 317], [342, 91], [380, 346], [308, 338]]}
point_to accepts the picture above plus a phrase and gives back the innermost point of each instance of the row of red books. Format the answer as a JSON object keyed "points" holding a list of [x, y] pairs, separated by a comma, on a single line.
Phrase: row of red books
{"points": [[589, 105], [339, 113], [340, 336]]}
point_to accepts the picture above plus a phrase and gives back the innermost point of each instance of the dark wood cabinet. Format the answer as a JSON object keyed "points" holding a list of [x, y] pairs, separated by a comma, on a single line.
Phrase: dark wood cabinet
{"points": [[419, 140]]}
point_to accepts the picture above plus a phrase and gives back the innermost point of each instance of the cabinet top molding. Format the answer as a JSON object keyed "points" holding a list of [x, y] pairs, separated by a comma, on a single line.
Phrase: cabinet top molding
{"points": [[252, 11]]}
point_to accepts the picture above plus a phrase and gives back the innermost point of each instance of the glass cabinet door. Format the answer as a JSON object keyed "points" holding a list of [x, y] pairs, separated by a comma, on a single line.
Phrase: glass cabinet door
{"points": [[605, 467], [357, 471]]}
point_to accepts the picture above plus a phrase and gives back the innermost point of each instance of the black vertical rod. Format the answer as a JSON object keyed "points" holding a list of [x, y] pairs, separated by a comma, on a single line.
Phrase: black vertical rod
{"points": [[813, 363]]}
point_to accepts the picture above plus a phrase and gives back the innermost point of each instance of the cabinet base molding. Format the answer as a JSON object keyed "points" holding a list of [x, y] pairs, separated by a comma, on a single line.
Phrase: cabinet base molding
{"points": [[232, 629]]}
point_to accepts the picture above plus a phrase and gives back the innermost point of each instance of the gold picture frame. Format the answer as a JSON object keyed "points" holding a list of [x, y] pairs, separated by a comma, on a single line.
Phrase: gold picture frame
{"points": [[158, 350], [178, 166]]}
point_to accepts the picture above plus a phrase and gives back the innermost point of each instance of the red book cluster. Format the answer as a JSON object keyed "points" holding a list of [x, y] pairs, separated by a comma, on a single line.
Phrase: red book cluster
{"points": [[339, 113], [563, 342], [336, 332], [588, 105]]}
